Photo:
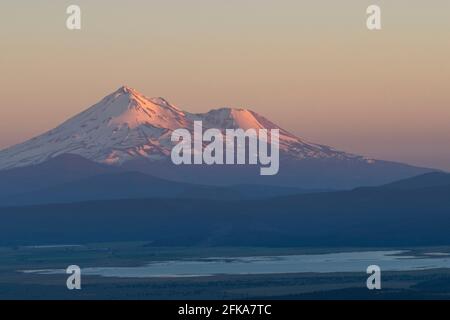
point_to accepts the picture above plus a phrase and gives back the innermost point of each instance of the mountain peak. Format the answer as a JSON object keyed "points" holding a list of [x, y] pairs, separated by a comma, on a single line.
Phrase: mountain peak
{"points": [[126, 89], [238, 118], [139, 98]]}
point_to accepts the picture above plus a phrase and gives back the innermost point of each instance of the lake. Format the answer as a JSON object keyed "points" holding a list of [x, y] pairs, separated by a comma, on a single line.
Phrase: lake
{"points": [[305, 263]]}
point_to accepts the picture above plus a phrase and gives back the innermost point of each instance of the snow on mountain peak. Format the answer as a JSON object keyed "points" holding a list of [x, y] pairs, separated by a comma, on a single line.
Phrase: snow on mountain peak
{"points": [[126, 125], [123, 90], [233, 118]]}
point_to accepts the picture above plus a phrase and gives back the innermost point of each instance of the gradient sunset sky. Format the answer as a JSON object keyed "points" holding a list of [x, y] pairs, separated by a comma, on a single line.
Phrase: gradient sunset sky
{"points": [[310, 66]]}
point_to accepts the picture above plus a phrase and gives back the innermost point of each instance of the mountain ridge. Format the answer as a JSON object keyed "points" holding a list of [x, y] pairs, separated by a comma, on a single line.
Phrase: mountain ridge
{"points": [[371, 217]]}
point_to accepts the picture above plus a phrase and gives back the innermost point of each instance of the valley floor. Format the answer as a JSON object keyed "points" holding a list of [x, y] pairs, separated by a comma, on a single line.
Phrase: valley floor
{"points": [[14, 284]]}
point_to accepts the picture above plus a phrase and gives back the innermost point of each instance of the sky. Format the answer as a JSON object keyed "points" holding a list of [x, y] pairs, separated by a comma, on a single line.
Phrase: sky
{"points": [[310, 66]]}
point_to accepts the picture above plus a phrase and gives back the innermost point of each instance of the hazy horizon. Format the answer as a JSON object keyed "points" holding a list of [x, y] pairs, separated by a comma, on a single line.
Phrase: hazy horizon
{"points": [[309, 66]]}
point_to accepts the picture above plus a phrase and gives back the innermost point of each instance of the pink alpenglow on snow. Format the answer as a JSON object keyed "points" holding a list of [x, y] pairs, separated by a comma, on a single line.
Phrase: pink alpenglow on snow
{"points": [[126, 125]]}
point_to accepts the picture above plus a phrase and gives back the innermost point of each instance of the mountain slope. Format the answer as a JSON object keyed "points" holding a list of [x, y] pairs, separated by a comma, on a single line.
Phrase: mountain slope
{"points": [[59, 170], [72, 178], [121, 126], [123, 185]]}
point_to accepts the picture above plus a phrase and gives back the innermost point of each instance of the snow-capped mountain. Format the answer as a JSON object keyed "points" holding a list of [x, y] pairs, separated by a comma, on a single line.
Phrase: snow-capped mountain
{"points": [[127, 125], [129, 130]]}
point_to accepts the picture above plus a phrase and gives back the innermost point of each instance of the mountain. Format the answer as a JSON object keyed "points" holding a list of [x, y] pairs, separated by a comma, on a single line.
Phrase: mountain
{"points": [[72, 178], [123, 185], [127, 125], [427, 180], [128, 130], [55, 171], [377, 217]]}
